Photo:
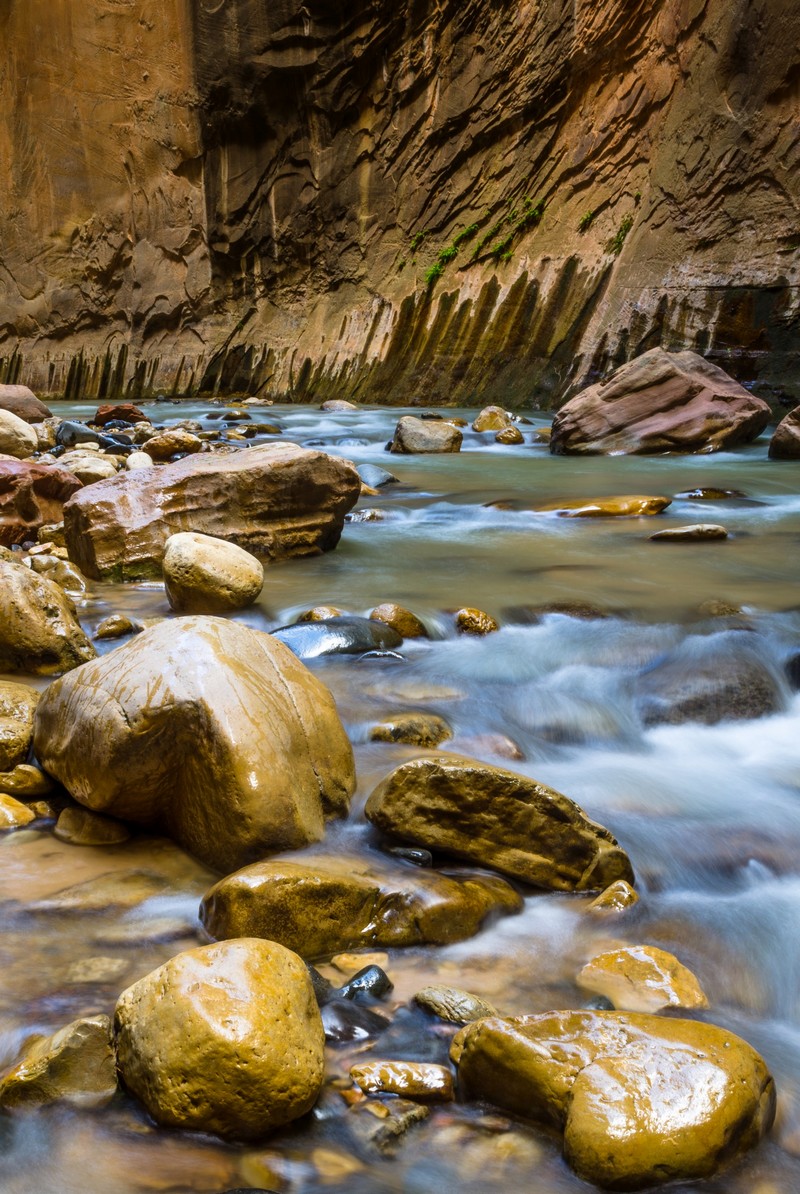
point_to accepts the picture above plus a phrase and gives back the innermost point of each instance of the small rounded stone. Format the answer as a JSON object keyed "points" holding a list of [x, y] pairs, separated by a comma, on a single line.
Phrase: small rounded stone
{"points": [[475, 621], [400, 619]]}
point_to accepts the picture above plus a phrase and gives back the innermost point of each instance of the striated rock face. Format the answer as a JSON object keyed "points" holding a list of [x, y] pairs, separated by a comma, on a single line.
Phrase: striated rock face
{"points": [[439, 204]]}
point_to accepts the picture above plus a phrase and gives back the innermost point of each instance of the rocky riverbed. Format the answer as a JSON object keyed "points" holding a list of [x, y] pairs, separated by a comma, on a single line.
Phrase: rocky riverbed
{"points": [[486, 763]]}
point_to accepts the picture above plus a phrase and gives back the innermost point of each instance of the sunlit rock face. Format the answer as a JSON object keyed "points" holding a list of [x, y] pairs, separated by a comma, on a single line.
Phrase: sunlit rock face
{"points": [[233, 194]]}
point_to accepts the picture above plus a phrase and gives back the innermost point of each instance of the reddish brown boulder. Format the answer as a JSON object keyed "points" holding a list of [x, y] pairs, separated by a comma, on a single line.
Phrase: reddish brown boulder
{"points": [[123, 410], [23, 403], [660, 402], [31, 495], [785, 444], [276, 501]]}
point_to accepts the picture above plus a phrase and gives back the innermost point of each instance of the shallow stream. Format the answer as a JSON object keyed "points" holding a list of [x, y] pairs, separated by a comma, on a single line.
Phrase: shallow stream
{"points": [[709, 814]]}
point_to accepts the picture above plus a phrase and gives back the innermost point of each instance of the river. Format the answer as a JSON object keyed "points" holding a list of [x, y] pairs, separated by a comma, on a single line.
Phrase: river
{"points": [[709, 814]]}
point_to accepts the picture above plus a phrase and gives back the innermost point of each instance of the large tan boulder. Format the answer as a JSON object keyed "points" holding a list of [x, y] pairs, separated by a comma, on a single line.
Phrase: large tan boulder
{"points": [[206, 730], [492, 418], [75, 1065], [785, 443], [226, 1038], [31, 495], [23, 403], [660, 402], [276, 501], [326, 903], [499, 819], [17, 438], [17, 706], [640, 1100], [204, 575], [425, 435], [39, 631]]}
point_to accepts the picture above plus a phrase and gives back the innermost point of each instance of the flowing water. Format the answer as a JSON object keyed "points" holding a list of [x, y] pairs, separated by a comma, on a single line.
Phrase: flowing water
{"points": [[710, 814]]}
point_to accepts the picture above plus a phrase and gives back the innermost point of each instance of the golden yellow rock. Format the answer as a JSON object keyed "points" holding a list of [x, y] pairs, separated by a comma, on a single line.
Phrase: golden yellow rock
{"points": [[227, 1038], [204, 729], [204, 575], [320, 613], [81, 827], [323, 904], [625, 506], [26, 781], [492, 418], [17, 705], [416, 729], [400, 619], [74, 1065], [497, 818], [509, 435], [641, 1100], [352, 963], [412, 1079], [641, 978], [615, 898], [13, 814], [39, 632], [167, 443], [475, 621]]}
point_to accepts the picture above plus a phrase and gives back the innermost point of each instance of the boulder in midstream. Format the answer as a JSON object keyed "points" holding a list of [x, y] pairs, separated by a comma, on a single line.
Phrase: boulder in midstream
{"points": [[414, 435], [785, 443], [499, 819], [345, 635], [660, 402], [402, 620], [321, 904], [492, 418], [226, 1038], [641, 1100], [274, 500], [206, 730], [39, 632]]}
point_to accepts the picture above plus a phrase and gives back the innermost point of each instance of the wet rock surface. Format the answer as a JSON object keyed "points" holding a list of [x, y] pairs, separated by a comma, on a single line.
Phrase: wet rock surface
{"points": [[325, 904], [17, 706], [421, 435], [204, 575], [157, 733], [609, 1081], [345, 635], [226, 1038], [39, 631], [785, 443], [31, 495], [76, 1065], [641, 978], [499, 819]]}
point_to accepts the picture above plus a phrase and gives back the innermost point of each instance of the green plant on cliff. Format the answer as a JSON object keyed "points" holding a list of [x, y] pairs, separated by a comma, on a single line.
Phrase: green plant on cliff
{"points": [[433, 273], [614, 245], [586, 221], [416, 240]]}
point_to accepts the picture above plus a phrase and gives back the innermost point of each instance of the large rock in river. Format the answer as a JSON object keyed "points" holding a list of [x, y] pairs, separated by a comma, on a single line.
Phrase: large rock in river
{"points": [[641, 1100], [226, 1038], [413, 436], [660, 402], [323, 904], [499, 819], [23, 403], [31, 495], [275, 500], [39, 631], [785, 443], [204, 729]]}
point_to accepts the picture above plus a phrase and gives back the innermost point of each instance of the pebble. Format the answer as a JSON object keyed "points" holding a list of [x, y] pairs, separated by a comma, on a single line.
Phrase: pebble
{"points": [[117, 626], [415, 729], [13, 814], [25, 780], [82, 827], [475, 621], [616, 897], [412, 1079], [453, 1005], [351, 963]]}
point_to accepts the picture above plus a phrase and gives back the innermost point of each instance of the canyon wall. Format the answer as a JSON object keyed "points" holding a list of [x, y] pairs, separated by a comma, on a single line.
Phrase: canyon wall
{"points": [[409, 201]]}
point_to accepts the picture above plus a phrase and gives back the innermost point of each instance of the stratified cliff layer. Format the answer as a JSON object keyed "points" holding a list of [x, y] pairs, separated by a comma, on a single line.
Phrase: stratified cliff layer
{"points": [[395, 201]]}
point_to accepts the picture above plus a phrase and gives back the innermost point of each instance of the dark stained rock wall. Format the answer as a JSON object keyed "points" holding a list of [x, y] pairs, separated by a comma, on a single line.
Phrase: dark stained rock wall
{"points": [[231, 194]]}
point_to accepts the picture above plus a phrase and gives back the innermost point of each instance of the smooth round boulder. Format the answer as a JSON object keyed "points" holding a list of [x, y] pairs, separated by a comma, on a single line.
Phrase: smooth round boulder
{"points": [[334, 405], [17, 438], [785, 443], [80, 827], [375, 477], [492, 418], [326, 903], [225, 1039], [17, 706], [422, 436], [138, 461], [39, 632], [90, 467], [204, 575], [641, 1100], [509, 436], [167, 444], [400, 619], [203, 729]]}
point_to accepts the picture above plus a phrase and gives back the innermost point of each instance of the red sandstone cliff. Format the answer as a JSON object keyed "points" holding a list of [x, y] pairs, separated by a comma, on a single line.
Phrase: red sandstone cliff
{"points": [[233, 193]]}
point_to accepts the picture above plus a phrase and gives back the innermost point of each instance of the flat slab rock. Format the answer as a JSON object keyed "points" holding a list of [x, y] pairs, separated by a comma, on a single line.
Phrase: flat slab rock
{"points": [[275, 501], [320, 904], [660, 402], [499, 819], [641, 1100]]}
